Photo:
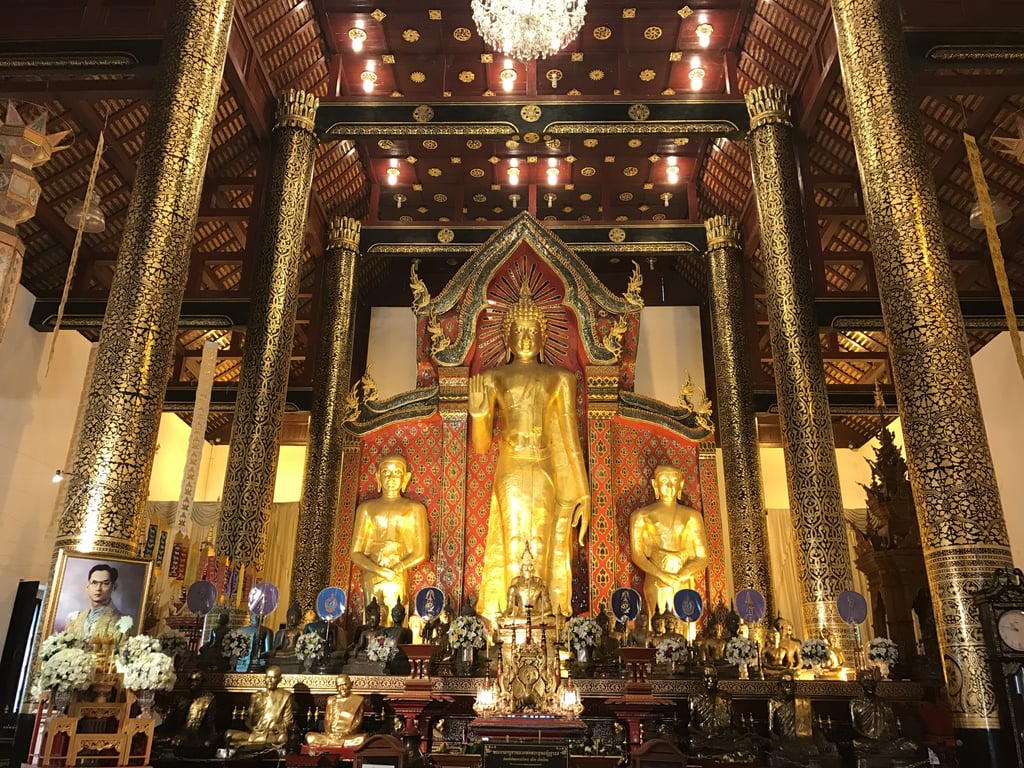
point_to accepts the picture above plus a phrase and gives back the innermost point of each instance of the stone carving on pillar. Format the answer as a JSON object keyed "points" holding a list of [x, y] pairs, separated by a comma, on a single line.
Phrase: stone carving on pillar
{"points": [[266, 360], [106, 496], [963, 532], [311, 563], [809, 442], [737, 425]]}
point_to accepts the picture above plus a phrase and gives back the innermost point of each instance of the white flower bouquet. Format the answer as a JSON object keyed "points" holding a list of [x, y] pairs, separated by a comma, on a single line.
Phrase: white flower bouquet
{"points": [[69, 669], [236, 644], [740, 650], [173, 642], [132, 648], [467, 632], [309, 646], [669, 649], [813, 651], [381, 648], [149, 671], [57, 642], [884, 650], [581, 632]]}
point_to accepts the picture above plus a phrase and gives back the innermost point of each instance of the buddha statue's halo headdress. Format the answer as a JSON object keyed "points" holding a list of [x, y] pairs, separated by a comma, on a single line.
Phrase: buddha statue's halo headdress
{"points": [[524, 309]]}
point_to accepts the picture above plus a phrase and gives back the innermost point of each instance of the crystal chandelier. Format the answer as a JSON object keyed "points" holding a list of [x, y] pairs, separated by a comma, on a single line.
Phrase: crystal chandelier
{"points": [[528, 29]]}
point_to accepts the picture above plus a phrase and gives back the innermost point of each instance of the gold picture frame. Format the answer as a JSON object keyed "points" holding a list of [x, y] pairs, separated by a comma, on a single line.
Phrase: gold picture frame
{"points": [[71, 598]]}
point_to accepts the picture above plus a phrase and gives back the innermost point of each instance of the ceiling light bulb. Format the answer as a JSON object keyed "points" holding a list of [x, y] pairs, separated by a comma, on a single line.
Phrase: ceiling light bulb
{"points": [[513, 175], [673, 175], [358, 37], [508, 77], [393, 175], [369, 78], [665, 196], [549, 197], [671, 160], [704, 34], [515, 200], [399, 199], [697, 78]]}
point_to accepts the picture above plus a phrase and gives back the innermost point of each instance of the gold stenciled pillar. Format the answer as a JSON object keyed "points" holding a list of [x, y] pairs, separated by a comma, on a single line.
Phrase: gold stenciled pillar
{"points": [[737, 425], [266, 361], [962, 527], [107, 494], [324, 454], [809, 444]]}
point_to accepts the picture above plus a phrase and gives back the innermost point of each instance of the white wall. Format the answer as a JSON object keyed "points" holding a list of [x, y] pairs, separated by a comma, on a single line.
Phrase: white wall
{"points": [[1001, 391], [391, 357], [37, 416], [669, 346]]}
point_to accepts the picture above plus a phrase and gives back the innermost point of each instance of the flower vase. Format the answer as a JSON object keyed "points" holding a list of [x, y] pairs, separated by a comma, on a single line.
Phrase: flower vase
{"points": [[145, 698], [464, 660], [60, 699], [307, 664], [744, 671], [242, 664], [883, 669], [816, 670]]}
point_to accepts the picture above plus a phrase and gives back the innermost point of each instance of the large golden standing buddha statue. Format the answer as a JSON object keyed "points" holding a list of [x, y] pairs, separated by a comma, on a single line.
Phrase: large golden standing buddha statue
{"points": [[540, 489]]}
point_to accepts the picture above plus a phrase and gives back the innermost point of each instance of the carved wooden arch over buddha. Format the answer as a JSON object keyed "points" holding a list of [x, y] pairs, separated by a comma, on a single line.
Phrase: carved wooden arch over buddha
{"points": [[580, 399]]}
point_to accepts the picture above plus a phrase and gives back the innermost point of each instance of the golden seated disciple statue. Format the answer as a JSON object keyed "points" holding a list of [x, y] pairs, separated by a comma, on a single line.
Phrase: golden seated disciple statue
{"points": [[390, 537], [540, 490], [667, 541], [269, 717], [342, 719]]}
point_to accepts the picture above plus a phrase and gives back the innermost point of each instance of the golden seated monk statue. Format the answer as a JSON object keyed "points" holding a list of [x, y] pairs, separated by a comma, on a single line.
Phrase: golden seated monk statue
{"points": [[269, 717], [390, 537], [667, 541], [342, 719], [540, 488]]}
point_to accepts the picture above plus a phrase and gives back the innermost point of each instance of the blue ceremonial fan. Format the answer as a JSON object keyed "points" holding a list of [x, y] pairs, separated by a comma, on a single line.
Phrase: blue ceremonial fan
{"points": [[263, 598], [330, 603], [688, 604], [852, 607], [625, 604], [429, 603], [750, 605], [201, 597]]}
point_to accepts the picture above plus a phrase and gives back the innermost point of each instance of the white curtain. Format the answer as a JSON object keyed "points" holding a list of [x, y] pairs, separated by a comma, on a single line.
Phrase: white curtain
{"points": [[786, 584]]}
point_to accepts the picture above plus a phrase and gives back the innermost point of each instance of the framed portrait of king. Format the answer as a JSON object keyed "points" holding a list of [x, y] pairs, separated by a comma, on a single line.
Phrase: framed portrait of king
{"points": [[97, 596]]}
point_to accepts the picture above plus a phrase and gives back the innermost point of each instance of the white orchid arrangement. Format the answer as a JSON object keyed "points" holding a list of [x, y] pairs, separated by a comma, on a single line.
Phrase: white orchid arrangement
{"points": [[884, 650], [581, 632], [669, 649], [173, 642], [467, 632], [309, 646], [381, 648], [124, 624], [813, 651], [60, 641], [150, 671], [740, 650], [237, 644], [132, 648], [68, 669], [143, 664]]}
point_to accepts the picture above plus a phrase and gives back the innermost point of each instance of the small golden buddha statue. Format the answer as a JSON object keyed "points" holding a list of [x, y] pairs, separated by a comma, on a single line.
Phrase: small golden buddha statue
{"points": [[269, 717], [541, 490], [527, 590], [342, 719], [667, 541], [391, 535]]}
